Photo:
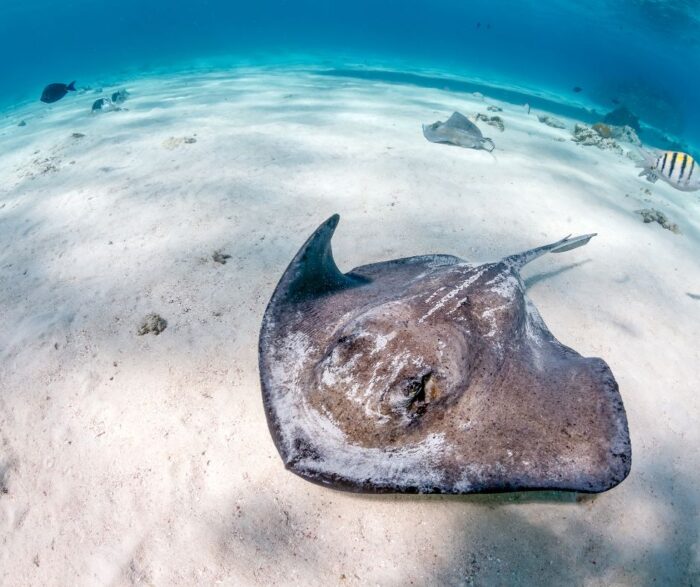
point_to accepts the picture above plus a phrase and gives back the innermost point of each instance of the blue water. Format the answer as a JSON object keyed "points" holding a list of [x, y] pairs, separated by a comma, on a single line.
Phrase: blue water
{"points": [[643, 53]]}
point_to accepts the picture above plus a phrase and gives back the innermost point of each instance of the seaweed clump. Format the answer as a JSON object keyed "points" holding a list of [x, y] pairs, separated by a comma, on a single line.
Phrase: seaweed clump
{"points": [[152, 323], [219, 256], [652, 215], [496, 121], [174, 142]]}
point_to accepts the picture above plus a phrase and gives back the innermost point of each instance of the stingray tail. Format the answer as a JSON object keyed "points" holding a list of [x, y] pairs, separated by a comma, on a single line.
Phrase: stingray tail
{"points": [[566, 244], [487, 144]]}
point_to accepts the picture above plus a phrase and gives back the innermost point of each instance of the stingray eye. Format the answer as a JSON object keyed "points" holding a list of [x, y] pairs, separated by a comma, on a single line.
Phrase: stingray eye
{"points": [[416, 394]]}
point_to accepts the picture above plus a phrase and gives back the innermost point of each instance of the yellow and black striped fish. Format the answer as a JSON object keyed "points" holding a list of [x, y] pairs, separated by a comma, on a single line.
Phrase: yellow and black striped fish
{"points": [[677, 169]]}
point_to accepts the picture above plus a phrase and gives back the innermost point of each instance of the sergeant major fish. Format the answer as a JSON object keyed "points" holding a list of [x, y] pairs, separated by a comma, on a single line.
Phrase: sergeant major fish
{"points": [[675, 168]]}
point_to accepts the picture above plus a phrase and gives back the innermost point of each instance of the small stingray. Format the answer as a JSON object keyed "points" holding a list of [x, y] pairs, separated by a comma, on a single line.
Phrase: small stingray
{"points": [[432, 375], [458, 130]]}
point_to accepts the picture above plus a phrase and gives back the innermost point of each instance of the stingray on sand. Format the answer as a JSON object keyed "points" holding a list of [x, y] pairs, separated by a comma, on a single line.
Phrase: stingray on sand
{"points": [[458, 130], [433, 375]]}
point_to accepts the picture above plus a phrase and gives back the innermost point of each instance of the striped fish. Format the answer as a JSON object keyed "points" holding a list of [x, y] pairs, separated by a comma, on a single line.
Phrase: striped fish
{"points": [[677, 169]]}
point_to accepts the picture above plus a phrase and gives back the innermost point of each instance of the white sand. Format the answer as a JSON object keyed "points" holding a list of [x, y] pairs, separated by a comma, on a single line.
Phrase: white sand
{"points": [[146, 460]]}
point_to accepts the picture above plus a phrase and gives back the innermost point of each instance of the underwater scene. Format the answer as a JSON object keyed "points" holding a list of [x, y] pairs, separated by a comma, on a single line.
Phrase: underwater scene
{"points": [[350, 293]]}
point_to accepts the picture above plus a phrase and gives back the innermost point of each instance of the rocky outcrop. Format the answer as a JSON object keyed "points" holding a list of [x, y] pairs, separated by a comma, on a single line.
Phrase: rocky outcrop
{"points": [[586, 135]]}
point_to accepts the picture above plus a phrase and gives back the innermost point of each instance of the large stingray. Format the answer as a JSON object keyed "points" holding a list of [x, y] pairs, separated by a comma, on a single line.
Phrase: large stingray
{"points": [[433, 375], [458, 130]]}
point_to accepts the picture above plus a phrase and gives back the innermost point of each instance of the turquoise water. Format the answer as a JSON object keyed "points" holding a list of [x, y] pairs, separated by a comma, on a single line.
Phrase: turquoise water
{"points": [[641, 53], [129, 457]]}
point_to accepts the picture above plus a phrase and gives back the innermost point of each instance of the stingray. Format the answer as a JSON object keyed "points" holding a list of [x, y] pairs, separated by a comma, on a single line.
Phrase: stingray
{"points": [[430, 374], [458, 130]]}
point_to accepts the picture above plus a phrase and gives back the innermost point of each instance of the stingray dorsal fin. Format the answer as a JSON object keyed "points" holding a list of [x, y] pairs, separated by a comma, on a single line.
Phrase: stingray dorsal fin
{"points": [[313, 271], [568, 243]]}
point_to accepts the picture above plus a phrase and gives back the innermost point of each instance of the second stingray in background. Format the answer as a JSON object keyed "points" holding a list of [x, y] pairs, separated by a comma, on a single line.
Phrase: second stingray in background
{"points": [[459, 131]]}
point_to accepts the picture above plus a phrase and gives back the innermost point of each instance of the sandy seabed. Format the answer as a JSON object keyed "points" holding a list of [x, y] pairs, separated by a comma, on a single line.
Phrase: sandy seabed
{"points": [[146, 460]]}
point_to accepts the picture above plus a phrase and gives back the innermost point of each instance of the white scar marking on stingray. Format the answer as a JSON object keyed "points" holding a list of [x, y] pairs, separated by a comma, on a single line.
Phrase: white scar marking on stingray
{"points": [[489, 315], [534, 326], [459, 303], [505, 286], [451, 294], [381, 340], [335, 369], [293, 353], [410, 464], [396, 364], [328, 378], [432, 295]]}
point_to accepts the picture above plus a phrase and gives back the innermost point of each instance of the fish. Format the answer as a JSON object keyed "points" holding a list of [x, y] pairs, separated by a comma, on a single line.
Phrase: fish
{"points": [[54, 92], [458, 130], [615, 101], [120, 96], [102, 104], [576, 90], [106, 105], [430, 374], [678, 169]]}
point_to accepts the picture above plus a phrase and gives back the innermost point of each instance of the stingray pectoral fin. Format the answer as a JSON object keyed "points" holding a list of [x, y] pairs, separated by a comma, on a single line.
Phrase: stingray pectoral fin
{"points": [[313, 270], [566, 244]]}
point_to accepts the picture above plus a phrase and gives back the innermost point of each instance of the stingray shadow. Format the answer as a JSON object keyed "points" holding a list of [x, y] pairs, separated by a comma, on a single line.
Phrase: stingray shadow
{"points": [[483, 499], [534, 553], [538, 277]]}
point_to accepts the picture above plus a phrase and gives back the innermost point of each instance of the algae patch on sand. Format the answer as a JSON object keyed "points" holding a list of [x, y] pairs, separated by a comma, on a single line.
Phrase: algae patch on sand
{"points": [[152, 323]]}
